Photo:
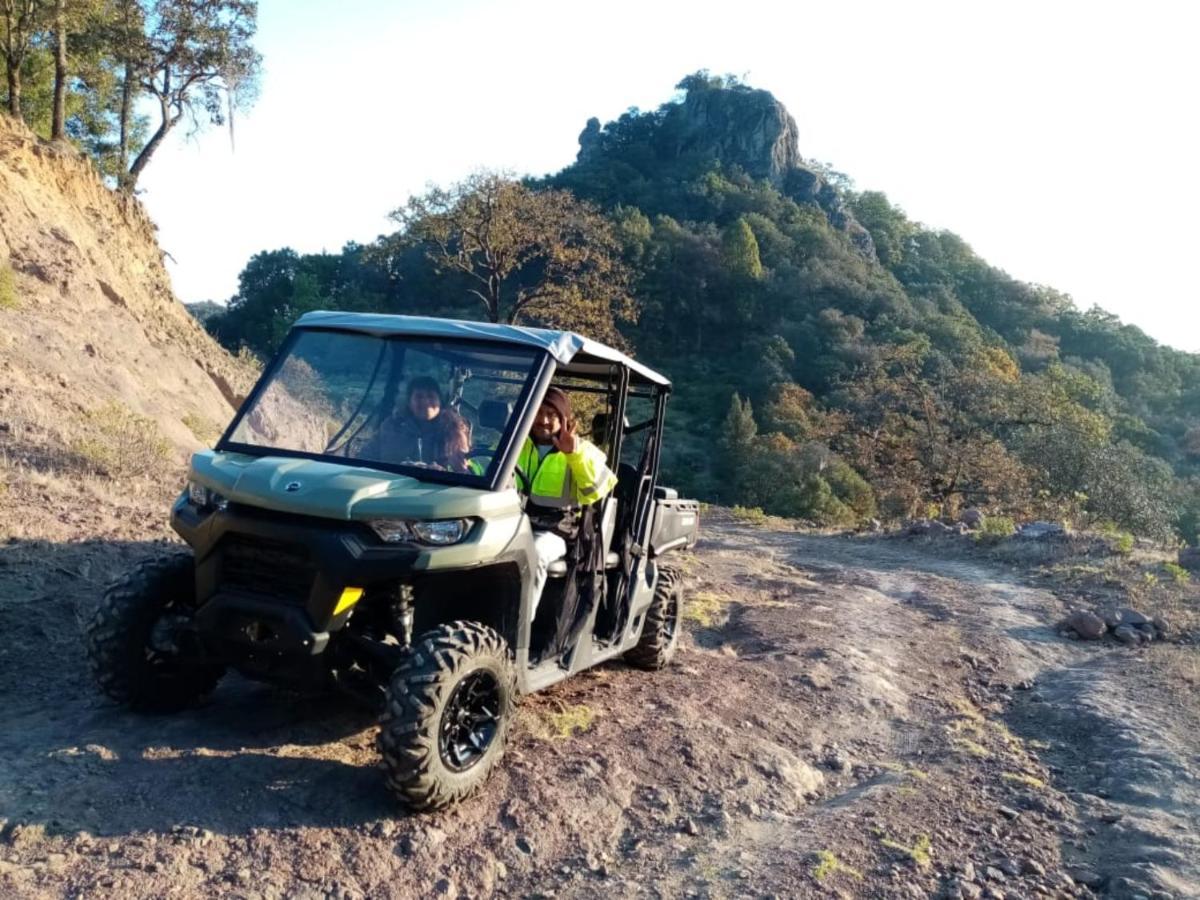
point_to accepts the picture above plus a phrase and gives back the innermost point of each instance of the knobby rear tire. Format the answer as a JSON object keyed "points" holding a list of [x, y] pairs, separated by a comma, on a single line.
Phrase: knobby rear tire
{"points": [[660, 631]]}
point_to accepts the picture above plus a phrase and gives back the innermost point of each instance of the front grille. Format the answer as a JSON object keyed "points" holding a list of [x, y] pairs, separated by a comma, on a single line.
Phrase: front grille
{"points": [[266, 567]]}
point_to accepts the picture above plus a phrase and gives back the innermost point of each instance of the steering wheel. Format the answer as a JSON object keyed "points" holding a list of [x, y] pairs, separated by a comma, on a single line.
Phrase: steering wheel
{"points": [[481, 452]]}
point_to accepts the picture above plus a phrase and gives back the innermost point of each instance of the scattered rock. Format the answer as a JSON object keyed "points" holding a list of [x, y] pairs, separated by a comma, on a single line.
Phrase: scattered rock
{"points": [[972, 518], [1085, 876], [1086, 624], [837, 761], [26, 837], [1041, 531], [1008, 812], [383, 829], [777, 762], [934, 528], [1126, 616], [819, 677], [1127, 635]]}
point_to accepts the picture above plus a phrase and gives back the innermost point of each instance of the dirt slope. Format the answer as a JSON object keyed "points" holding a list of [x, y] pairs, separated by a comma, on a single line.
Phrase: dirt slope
{"points": [[91, 319], [846, 718]]}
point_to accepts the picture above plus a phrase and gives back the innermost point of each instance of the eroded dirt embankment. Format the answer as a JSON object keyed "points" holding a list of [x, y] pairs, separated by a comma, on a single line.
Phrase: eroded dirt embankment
{"points": [[89, 328], [846, 717]]}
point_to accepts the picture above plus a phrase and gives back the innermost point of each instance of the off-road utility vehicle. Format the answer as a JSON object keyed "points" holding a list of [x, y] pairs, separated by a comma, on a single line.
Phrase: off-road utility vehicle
{"points": [[318, 559]]}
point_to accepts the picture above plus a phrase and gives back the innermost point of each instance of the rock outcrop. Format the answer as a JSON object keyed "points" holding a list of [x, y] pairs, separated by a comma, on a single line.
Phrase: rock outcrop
{"points": [[746, 128]]}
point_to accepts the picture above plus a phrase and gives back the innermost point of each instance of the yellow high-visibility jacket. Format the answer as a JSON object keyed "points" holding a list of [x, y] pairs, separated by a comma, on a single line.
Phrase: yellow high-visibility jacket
{"points": [[562, 480]]}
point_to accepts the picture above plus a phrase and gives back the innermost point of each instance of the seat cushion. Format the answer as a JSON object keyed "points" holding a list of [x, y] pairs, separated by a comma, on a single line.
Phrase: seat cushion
{"points": [[558, 568]]}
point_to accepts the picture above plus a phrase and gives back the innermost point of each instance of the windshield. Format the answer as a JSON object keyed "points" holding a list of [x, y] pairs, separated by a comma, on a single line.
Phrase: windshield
{"points": [[415, 404]]}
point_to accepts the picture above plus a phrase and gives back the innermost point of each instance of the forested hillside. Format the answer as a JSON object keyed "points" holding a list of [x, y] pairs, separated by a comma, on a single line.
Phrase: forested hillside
{"points": [[833, 359]]}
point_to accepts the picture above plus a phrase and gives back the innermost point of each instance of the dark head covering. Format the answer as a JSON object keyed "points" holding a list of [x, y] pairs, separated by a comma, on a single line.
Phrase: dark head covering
{"points": [[560, 403]]}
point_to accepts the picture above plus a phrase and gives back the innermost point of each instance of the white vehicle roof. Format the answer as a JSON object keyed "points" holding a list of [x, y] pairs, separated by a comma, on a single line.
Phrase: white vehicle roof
{"points": [[568, 348]]}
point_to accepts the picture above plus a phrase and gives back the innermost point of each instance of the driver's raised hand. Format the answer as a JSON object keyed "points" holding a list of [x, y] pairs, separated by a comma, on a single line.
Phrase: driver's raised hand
{"points": [[566, 440]]}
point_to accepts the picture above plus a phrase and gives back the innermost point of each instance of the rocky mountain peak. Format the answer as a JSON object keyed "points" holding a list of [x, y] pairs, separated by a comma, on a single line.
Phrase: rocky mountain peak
{"points": [[740, 126]]}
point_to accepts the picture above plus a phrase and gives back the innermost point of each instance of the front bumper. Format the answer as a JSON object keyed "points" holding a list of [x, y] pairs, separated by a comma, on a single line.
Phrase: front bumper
{"points": [[267, 583]]}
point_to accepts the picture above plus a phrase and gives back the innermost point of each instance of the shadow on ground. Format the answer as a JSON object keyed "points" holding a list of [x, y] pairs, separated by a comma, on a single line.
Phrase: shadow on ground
{"points": [[74, 761]]}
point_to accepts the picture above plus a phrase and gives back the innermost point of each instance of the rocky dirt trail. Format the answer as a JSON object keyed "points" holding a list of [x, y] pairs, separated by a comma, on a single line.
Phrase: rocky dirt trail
{"points": [[846, 717]]}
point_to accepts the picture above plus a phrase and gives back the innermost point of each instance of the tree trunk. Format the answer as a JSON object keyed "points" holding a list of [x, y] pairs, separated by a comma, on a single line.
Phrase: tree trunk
{"points": [[58, 125], [126, 112], [14, 90], [143, 158]]}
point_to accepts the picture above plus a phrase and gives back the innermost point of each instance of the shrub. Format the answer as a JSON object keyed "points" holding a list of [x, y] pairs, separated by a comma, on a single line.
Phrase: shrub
{"points": [[8, 287], [994, 529], [1122, 543], [751, 515], [1178, 573], [119, 442]]}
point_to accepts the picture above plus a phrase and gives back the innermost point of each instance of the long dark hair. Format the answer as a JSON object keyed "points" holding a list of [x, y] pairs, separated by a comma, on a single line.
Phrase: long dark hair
{"points": [[453, 441]]}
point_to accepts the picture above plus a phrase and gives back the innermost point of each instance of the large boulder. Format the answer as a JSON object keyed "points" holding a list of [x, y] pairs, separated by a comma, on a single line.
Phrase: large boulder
{"points": [[1041, 531], [1086, 624], [972, 518]]}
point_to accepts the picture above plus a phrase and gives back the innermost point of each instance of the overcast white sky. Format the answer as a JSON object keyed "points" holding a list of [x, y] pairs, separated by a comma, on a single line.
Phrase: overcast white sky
{"points": [[1060, 139]]}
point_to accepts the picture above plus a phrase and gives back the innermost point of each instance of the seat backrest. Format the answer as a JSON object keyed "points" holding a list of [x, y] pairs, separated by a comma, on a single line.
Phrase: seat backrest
{"points": [[494, 414]]}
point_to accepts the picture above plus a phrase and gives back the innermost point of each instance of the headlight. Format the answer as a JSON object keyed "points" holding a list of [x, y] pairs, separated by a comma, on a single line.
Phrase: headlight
{"points": [[439, 532], [204, 497], [442, 532], [391, 530]]}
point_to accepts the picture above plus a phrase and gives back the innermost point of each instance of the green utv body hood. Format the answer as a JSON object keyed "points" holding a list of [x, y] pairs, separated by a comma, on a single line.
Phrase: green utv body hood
{"points": [[335, 491]]}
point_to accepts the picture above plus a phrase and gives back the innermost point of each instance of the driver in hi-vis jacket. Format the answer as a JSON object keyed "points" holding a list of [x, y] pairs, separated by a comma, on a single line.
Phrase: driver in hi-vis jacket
{"points": [[561, 473]]}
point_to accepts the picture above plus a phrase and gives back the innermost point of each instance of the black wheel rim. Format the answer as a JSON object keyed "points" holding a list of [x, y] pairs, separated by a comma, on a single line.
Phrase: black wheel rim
{"points": [[162, 649], [671, 625], [470, 720]]}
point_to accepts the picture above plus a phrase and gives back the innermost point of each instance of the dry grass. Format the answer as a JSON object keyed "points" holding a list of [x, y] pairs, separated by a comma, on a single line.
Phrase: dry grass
{"points": [[1024, 779], [120, 443], [565, 722], [827, 865], [8, 287], [919, 854], [704, 608], [205, 430]]}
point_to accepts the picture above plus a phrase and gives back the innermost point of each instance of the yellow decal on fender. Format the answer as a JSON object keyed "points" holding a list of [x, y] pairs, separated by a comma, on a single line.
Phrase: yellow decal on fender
{"points": [[350, 596]]}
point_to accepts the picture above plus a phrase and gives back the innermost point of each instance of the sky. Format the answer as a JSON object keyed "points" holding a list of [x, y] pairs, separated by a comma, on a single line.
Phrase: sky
{"points": [[1060, 139]]}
